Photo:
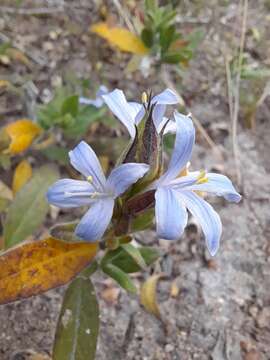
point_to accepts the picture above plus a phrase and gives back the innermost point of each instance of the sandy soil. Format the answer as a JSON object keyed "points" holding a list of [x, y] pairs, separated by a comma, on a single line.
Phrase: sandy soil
{"points": [[222, 310]]}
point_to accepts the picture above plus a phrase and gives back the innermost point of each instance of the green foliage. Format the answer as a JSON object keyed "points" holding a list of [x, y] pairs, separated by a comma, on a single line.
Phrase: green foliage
{"points": [[127, 263], [122, 278], [65, 112], [78, 324], [29, 208], [142, 221], [161, 36], [57, 153]]}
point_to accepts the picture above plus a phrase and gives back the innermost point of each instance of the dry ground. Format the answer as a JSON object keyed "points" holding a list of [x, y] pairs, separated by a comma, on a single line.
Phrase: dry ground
{"points": [[222, 310]]}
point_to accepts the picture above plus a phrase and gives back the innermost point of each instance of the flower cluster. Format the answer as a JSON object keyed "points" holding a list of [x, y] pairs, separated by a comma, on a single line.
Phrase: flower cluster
{"points": [[172, 192]]}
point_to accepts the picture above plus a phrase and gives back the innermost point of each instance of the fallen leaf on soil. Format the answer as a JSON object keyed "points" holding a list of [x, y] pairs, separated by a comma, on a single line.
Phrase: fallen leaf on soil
{"points": [[120, 37], [148, 295], [22, 174], [22, 133], [35, 267]]}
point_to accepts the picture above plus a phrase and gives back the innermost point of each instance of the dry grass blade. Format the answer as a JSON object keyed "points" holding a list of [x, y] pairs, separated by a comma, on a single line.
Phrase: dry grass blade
{"points": [[236, 92]]}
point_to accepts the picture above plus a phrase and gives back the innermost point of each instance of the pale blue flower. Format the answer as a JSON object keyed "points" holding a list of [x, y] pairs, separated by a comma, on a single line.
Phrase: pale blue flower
{"points": [[96, 191], [174, 194], [98, 101], [131, 113]]}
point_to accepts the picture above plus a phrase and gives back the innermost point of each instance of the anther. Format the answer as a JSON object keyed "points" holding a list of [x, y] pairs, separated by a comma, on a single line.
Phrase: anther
{"points": [[202, 177], [144, 98]]}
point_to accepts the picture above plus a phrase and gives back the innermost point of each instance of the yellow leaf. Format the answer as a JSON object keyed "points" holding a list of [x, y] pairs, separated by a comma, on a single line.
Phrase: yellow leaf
{"points": [[22, 174], [22, 133], [120, 37], [148, 296], [35, 267]]}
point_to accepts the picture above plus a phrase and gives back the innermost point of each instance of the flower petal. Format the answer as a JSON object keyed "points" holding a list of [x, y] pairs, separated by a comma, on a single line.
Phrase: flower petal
{"points": [[66, 193], [124, 176], [170, 126], [171, 215], [139, 110], [84, 159], [158, 114], [184, 141], [102, 90], [98, 101], [95, 222], [166, 97], [219, 185], [119, 106], [207, 217]]}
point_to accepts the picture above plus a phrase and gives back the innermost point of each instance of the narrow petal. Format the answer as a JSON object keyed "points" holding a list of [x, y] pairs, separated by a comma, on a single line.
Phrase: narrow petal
{"points": [[94, 102], [67, 193], [184, 141], [219, 185], [171, 215], [158, 114], [95, 222], [122, 177], [102, 91], [84, 159], [98, 101], [140, 111], [166, 97], [119, 106], [170, 126], [207, 217]]}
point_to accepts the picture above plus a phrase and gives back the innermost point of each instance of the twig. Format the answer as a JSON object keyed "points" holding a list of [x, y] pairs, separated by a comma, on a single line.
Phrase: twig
{"points": [[229, 85], [167, 81], [237, 92], [124, 15], [33, 11]]}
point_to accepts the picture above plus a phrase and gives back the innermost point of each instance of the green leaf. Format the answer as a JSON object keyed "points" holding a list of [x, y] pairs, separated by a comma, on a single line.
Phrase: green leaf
{"points": [[174, 57], [135, 254], [70, 105], [78, 325], [57, 153], [126, 263], [29, 208], [120, 277], [86, 116], [142, 221], [166, 37], [147, 37], [48, 114]]}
